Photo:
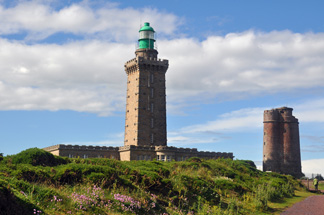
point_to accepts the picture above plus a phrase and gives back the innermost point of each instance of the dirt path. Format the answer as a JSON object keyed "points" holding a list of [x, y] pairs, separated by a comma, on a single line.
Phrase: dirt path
{"points": [[313, 205]]}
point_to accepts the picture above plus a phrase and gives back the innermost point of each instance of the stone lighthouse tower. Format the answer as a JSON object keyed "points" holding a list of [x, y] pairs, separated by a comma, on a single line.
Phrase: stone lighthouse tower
{"points": [[145, 123], [281, 147]]}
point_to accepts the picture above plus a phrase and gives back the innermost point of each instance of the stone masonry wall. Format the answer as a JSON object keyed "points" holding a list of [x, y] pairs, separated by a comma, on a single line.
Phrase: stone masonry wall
{"points": [[145, 123], [74, 151]]}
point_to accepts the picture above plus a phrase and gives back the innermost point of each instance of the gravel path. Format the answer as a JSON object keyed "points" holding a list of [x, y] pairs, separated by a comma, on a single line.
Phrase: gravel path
{"points": [[313, 205]]}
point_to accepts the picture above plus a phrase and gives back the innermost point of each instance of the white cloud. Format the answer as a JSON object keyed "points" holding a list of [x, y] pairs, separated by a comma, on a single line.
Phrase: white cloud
{"points": [[248, 120], [88, 75], [309, 167], [244, 63], [311, 111], [219, 129], [40, 20], [82, 76], [313, 166], [235, 121], [178, 140]]}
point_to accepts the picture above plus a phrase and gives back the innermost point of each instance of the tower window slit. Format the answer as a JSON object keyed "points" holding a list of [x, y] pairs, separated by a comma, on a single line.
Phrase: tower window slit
{"points": [[152, 78]]}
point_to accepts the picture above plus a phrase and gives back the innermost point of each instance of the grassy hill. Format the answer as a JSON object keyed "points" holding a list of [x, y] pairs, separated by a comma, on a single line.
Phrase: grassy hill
{"points": [[36, 182]]}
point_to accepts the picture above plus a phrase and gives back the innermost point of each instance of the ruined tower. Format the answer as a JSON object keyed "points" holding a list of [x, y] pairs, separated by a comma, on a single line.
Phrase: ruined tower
{"points": [[145, 123], [281, 147]]}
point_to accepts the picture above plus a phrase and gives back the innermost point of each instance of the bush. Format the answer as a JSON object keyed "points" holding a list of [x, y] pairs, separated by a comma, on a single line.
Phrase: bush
{"points": [[69, 174], [33, 174], [194, 159], [248, 163], [37, 157], [228, 184]]}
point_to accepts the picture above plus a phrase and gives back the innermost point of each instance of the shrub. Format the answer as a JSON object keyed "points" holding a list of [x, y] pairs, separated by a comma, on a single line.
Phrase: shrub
{"points": [[32, 174], [11, 204], [228, 184], [37, 157], [69, 174], [194, 159], [248, 163]]}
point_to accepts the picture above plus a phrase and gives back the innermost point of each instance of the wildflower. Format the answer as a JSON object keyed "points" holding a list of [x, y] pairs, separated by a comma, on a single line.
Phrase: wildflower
{"points": [[22, 192]]}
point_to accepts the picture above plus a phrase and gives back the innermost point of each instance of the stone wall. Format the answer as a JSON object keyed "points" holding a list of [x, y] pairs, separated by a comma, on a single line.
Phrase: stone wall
{"points": [[75, 151], [131, 152]]}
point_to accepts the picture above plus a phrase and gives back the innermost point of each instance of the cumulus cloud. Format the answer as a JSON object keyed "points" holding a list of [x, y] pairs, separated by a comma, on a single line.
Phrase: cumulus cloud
{"points": [[244, 63], [40, 20], [83, 76], [87, 75]]}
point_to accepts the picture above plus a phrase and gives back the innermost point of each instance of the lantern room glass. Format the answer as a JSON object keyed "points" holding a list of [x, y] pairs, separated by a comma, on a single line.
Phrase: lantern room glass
{"points": [[146, 35]]}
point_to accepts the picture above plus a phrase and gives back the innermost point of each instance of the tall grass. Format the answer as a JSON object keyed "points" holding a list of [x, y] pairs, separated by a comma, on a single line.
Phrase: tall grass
{"points": [[105, 186]]}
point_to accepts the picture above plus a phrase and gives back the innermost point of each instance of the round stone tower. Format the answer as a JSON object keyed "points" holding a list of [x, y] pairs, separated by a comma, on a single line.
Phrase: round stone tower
{"points": [[281, 147], [272, 147]]}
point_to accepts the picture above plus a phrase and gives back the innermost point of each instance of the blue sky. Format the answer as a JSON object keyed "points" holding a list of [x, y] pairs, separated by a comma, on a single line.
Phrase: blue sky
{"points": [[62, 78]]}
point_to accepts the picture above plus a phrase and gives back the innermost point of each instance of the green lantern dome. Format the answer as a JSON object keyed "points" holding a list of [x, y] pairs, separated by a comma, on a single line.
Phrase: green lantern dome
{"points": [[146, 27], [146, 38]]}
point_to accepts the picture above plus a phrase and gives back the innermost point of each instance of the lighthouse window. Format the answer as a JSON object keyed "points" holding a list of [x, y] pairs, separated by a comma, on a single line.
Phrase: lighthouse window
{"points": [[152, 92], [152, 123], [152, 78], [152, 106], [152, 138]]}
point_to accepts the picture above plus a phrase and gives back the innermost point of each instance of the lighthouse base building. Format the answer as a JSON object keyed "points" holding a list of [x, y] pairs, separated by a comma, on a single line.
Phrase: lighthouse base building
{"points": [[281, 147], [128, 153]]}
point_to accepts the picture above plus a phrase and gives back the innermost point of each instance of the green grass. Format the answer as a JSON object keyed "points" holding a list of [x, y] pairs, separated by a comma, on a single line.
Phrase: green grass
{"points": [[321, 185], [100, 186]]}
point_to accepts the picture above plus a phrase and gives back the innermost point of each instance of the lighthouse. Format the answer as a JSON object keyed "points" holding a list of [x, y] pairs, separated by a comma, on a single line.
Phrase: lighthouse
{"points": [[145, 123]]}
